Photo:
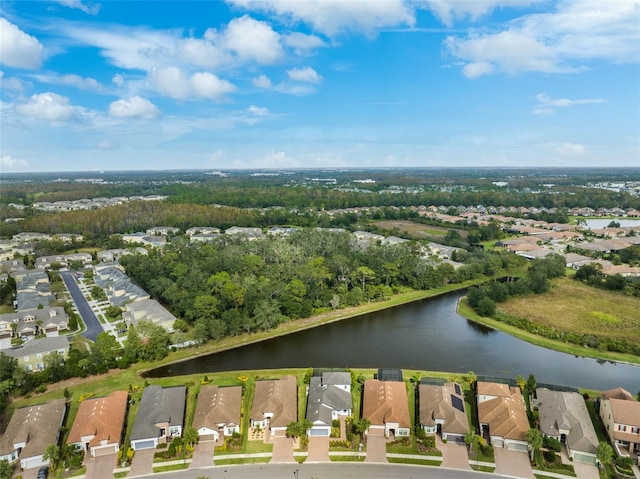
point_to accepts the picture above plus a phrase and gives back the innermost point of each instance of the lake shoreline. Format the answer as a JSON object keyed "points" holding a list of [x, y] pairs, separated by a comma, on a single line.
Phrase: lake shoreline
{"points": [[309, 323]]}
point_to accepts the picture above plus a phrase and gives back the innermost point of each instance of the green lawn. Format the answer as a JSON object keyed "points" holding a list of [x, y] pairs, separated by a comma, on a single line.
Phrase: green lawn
{"points": [[418, 462]]}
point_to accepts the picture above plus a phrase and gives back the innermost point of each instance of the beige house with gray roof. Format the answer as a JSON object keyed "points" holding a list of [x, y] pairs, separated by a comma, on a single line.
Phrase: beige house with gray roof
{"points": [[30, 431], [564, 416], [442, 409]]}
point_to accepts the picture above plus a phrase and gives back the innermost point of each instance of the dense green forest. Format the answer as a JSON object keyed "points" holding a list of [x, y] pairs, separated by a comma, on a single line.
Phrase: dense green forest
{"points": [[234, 286]]}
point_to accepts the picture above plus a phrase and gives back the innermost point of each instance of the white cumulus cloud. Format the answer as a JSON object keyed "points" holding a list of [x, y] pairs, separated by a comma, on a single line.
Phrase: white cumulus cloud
{"points": [[262, 81], [547, 105], [307, 74], [88, 83], [175, 83], [134, 107], [8, 163], [570, 149], [562, 41], [17, 48], [118, 79], [50, 106], [336, 16], [249, 39], [449, 10], [258, 110]]}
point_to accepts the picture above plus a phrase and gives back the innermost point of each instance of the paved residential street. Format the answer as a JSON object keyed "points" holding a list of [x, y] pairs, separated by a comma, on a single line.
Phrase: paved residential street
{"points": [[94, 328], [323, 471]]}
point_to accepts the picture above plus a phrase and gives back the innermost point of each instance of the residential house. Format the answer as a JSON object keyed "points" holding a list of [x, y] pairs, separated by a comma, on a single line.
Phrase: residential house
{"points": [[31, 355], [386, 406], [48, 321], [30, 431], [275, 405], [620, 414], [564, 416], [248, 233], [163, 230], [32, 289], [442, 410], [160, 417], [502, 415], [329, 397], [148, 310], [11, 265], [99, 424], [84, 258], [202, 230], [218, 412], [117, 285], [48, 262]]}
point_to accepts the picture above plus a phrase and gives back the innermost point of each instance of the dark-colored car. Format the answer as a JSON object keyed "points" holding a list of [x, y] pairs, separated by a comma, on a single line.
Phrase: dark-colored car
{"points": [[43, 473]]}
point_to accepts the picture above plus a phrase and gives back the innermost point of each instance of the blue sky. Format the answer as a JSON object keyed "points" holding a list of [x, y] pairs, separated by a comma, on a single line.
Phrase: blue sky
{"points": [[123, 85]]}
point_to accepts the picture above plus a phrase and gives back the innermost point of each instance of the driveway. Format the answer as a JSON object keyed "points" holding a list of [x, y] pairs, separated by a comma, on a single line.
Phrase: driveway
{"points": [[142, 463], [94, 328], [454, 454], [203, 454], [585, 471], [513, 463], [318, 449], [376, 446], [282, 449], [101, 466]]}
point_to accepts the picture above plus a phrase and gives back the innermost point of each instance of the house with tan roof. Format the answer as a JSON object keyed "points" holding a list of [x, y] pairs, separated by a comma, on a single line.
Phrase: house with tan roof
{"points": [[98, 426], [218, 412], [275, 404], [30, 431], [502, 415], [160, 416], [564, 416], [386, 406], [442, 410], [620, 413]]}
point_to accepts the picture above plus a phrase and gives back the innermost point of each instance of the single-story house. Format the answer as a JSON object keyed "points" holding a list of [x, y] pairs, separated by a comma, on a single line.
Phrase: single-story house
{"points": [[275, 404], [30, 431], [503, 416], [620, 413], [442, 410], [329, 397], [98, 426], [160, 416], [218, 412], [386, 406], [564, 416], [32, 353]]}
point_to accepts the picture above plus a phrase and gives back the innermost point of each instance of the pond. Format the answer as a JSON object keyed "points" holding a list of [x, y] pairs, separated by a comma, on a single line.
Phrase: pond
{"points": [[427, 335]]}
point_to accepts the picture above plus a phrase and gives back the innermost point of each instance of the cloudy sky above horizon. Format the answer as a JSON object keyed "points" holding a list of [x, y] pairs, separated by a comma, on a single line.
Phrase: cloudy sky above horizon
{"points": [[136, 85]]}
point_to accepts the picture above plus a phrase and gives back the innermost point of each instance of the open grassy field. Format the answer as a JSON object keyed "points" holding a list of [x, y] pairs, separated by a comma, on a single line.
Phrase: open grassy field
{"points": [[416, 230], [574, 307]]}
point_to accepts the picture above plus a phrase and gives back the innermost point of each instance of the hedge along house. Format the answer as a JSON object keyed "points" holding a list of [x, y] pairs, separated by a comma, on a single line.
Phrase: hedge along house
{"points": [[98, 426], [160, 417]]}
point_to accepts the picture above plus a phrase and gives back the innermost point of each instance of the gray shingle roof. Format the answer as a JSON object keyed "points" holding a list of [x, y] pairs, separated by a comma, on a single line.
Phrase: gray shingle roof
{"points": [[325, 398], [159, 405], [41, 345]]}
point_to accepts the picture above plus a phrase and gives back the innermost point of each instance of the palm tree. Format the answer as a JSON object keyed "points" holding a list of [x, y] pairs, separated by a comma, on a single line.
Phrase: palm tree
{"points": [[604, 453], [471, 439], [190, 436], [534, 438], [471, 378]]}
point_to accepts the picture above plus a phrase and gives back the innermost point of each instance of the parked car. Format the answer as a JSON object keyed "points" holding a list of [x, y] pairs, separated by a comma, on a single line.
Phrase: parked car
{"points": [[43, 473]]}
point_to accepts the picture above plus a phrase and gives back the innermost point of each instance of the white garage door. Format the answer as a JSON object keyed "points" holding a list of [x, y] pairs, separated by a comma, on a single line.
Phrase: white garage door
{"points": [[587, 459], [105, 451], [515, 446], [31, 462], [148, 444]]}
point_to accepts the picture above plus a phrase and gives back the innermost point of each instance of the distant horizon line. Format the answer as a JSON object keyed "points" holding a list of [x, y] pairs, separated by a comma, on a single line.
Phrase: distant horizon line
{"points": [[332, 169]]}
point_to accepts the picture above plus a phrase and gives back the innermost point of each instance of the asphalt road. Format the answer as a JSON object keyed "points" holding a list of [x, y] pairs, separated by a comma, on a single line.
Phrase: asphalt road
{"points": [[91, 322], [334, 470]]}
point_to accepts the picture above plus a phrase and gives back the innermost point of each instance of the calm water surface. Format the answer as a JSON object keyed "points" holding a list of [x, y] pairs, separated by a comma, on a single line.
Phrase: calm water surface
{"points": [[426, 335]]}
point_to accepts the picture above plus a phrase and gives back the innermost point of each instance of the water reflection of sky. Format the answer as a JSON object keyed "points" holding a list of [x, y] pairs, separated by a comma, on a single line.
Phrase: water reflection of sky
{"points": [[426, 335]]}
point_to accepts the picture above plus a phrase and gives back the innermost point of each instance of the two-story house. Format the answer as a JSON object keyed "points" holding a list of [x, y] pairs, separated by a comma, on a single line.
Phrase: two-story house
{"points": [[620, 413]]}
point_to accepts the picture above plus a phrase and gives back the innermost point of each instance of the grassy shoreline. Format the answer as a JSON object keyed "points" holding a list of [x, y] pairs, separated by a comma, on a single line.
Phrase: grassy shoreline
{"points": [[466, 311]]}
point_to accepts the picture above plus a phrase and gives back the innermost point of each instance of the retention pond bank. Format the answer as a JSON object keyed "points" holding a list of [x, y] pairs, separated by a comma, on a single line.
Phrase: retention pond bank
{"points": [[424, 335]]}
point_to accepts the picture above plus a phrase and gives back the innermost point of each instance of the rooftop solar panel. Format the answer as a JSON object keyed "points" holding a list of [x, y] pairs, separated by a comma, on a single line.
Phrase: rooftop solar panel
{"points": [[458, 391], [457, 403]]}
